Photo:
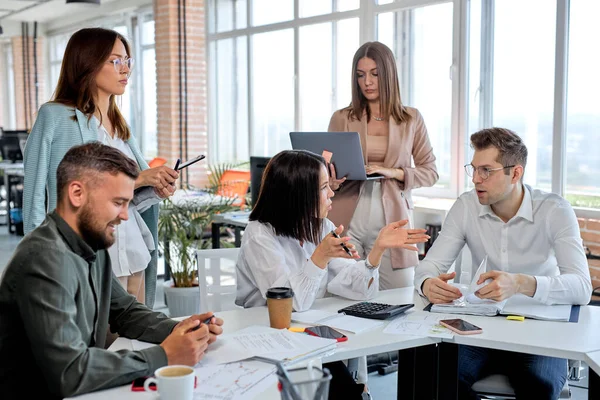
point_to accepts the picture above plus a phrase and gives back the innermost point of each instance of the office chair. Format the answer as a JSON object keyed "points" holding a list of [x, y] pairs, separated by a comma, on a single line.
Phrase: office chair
{"points": [[217, 278], [498, 387]]}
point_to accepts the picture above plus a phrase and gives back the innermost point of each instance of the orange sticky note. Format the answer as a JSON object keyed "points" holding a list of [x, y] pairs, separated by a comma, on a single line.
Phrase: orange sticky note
{"points": [[327, 156]]}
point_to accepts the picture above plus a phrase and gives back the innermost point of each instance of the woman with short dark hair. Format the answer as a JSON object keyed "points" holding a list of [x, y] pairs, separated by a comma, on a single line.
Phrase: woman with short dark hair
{"points": [[288, 241]]}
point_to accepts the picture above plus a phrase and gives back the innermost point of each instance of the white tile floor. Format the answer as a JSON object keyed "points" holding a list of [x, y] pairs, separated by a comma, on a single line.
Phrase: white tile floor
{"points": [[383, 387]]}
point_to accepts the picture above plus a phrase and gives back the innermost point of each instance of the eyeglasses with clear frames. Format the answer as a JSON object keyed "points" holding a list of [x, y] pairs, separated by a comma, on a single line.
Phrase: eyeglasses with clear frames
{"points": [[483, 172], [120, 63]]}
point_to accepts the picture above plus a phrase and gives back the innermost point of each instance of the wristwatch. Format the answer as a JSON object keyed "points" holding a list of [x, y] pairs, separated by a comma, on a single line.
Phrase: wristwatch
{"points": [[369, 265]]}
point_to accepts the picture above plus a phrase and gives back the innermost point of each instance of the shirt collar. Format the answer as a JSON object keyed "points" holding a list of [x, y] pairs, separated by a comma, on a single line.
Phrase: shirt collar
{"points": [[72, 238], [525, 210]]}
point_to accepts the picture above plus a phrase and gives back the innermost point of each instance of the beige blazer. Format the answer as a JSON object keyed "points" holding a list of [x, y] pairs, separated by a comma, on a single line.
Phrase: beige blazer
{"points": [[407, 141]]}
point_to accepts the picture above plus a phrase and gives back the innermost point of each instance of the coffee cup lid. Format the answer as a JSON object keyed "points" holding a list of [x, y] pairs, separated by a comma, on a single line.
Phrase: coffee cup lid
{"points": [[280, 293]]}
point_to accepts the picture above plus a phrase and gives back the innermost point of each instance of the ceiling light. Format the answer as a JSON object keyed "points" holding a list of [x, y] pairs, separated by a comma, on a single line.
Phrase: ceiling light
{"points": [[84, 1]]}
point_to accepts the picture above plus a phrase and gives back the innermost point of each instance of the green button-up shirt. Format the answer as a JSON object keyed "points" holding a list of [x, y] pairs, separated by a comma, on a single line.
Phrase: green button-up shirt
{"points": [[57, 297]]}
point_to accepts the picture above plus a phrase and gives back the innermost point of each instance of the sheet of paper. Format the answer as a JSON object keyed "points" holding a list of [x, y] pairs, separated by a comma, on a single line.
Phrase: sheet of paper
{"points": [[528, 307], [240, 380], [481, 270], [343, 322], [273, 344], [311, 316], [139, 345], [419, 325]]}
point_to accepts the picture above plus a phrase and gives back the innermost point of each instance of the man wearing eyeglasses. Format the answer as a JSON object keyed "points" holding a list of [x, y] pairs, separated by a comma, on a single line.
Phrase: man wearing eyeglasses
{"points": [[533, 245]]}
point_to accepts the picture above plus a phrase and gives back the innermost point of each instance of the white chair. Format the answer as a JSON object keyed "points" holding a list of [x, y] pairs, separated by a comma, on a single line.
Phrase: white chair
{"points": [[498, 387], [217, 279]]}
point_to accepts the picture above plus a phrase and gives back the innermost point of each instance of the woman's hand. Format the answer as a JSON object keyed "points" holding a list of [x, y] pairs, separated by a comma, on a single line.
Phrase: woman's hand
{"points": [[331, 247], [394, 236], [392, 173], [334, 183], [160, 178]]}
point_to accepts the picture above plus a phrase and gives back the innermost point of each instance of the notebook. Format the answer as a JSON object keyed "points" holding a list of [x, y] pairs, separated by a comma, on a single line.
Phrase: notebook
{"points": [[335, 320], [518, 304]]}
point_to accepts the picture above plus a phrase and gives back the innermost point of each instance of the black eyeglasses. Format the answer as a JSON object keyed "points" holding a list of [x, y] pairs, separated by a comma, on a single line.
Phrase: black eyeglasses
{"points": [[483, 172]]}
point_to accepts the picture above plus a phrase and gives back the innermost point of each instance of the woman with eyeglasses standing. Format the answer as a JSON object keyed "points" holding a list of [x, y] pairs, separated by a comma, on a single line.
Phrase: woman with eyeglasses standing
{"points": [[95, 70]]}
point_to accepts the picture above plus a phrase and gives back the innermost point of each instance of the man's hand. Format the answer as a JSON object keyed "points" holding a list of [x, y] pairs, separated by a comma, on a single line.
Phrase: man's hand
{"points": [[186, 346], [505, 284], [214, 326], [438, 291]]}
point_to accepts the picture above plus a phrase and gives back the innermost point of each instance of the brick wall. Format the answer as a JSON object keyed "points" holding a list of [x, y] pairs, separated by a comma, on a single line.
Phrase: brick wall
{"points": [[167, 71], [590, 233], [19, 70]]}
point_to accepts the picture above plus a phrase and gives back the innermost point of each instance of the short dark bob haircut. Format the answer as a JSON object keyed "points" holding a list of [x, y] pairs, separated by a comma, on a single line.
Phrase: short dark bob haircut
{"points": [[289, 195]]}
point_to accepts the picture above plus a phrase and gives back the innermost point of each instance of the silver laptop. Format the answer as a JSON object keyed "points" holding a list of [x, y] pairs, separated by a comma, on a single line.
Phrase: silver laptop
{"points": [[345, 147]]}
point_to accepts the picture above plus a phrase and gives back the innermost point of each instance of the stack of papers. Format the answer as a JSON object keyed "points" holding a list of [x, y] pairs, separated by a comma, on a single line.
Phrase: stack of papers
{"points": [[340, 321], [266, 344]]}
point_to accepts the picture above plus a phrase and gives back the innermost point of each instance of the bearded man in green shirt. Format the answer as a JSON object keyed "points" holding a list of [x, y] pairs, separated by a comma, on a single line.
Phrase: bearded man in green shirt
{"points": [[58, 294]]}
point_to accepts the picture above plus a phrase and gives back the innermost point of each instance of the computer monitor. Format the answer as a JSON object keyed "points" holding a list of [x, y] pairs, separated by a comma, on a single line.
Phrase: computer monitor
{"points": [[257, 165], [12, 145]]}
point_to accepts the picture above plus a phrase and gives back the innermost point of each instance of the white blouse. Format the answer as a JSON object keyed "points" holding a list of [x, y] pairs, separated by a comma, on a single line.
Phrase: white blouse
{"points": [[267, 260], [133, 240]]}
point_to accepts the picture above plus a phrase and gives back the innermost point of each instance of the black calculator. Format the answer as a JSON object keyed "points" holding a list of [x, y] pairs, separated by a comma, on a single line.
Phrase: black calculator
{"points": [[371, 310]]}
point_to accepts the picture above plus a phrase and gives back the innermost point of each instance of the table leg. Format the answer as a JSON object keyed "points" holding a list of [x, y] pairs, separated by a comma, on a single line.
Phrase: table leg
{"points": [[238, 236], [593, 385], [417, 372], [216, 235], [447, 373]]}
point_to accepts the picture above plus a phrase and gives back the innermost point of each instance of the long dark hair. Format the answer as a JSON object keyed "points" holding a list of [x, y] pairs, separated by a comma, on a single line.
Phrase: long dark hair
{"points": [[390, 103], [87, 51], [289, 195]]}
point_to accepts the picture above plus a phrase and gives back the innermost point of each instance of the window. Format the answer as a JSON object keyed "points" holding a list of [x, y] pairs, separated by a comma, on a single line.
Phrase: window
{"points": [[421, 39], [583, 107], [524, 64], [273, 91], [465, 64]]}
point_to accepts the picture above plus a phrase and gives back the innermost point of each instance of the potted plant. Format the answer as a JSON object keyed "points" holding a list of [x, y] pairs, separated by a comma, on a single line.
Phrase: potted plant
{"points": [[181, 227]]}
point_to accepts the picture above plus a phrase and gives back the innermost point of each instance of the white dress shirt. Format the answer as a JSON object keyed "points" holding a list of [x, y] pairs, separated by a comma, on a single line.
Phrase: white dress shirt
{"points": [[133, 240], [541, 240], [267, 260]]}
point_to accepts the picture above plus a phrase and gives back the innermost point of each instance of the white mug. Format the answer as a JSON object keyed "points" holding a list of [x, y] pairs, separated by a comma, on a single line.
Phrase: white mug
{"points": [[174, 382]]}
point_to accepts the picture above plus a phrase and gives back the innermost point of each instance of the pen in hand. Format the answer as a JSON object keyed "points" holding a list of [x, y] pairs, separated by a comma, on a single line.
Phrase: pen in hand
{"points": [[205, 322], [346, 249]]}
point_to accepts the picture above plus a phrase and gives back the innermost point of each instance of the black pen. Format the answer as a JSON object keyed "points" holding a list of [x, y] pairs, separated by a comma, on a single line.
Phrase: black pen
{"points": [[205, 322], [177, 164], [346, 249]]}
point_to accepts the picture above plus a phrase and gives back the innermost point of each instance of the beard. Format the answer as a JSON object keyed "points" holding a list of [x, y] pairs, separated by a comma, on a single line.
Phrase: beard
{"points": [[94, 235]]}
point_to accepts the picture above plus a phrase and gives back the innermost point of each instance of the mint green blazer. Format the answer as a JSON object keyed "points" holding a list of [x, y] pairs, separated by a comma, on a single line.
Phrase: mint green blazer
{"points": [[53, 134]]}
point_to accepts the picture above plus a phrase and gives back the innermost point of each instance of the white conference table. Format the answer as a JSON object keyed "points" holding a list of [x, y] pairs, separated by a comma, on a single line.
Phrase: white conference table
{"points": [[370, 342], [421, 356]]}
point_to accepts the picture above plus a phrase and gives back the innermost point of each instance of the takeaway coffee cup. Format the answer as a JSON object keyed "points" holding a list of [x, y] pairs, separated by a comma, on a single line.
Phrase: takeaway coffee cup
{"points": [[279, 303], [174, 382]]}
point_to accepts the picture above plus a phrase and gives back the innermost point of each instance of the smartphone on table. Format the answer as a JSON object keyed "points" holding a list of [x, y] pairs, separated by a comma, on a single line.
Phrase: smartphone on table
{"points": [[326, 332], [461, 326]]}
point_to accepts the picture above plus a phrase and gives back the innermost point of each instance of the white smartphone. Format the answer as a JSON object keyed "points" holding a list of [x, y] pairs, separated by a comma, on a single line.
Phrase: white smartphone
{"points": [[460, 326]]}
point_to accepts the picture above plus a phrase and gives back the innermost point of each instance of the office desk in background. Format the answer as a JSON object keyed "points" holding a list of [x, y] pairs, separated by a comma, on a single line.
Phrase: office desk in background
{"points": [[236, 219], [13, 175]]}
